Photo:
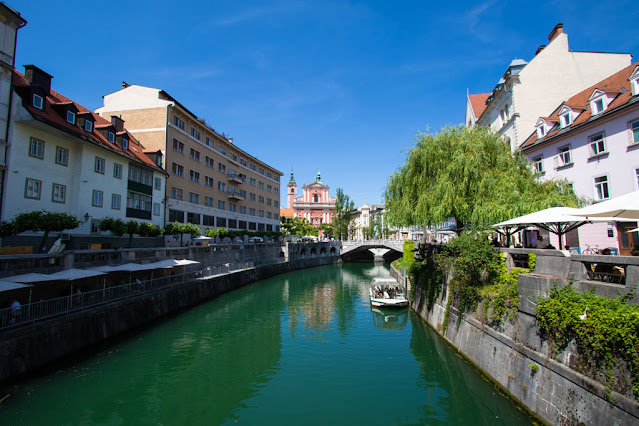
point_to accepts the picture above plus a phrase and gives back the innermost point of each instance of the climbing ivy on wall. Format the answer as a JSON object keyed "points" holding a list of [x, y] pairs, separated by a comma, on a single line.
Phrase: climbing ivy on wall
{"points": [[605, 331]]}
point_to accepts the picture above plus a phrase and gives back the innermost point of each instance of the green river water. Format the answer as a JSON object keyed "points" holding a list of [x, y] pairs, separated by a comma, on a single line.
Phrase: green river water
{"points": [[303, 348]]}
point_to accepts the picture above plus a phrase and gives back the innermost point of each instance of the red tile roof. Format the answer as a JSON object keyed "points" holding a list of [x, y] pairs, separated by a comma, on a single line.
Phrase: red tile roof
{"points": [[612, 85], [478, 102], [53, 118]]}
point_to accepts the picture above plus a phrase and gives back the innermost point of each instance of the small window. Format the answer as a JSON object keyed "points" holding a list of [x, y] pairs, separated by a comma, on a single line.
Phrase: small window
{"points": [[252, 181], [88, 126], [177, 169], [565, 120], [208, 161], [597, 144], [95, 226], [32, 188], [194, 198], [252, 212], [59, 193], [97, 199], [602, 192], [178, 123], [260, 184], [62, 156], [634, 132], [117, 170], [260, 213], [178, 146], [252, 196], [157, 183], [208, 202], [195, 154], [232, 207], [252, 166], [221, 186], [116, 201], [111, 137], [209, 142], [99, 165], [564, 155], [176, 193], [221, 205], [156, 209], [36, 148], [541, 131], [597, 106], [242, 209], [71, 117], [276, 203], [195, 133], [38, 101], [194, 176], [221, 167], [125, 143], [260, 171], [208, 181], [538, 162]]}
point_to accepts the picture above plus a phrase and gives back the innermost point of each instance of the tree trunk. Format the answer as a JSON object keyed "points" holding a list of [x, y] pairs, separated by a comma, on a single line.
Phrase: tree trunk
{"points": [[43, 242]]}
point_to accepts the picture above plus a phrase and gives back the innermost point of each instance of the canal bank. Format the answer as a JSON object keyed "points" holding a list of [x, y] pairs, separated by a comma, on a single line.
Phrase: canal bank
{"points": [[29, 347], [514, 357]]}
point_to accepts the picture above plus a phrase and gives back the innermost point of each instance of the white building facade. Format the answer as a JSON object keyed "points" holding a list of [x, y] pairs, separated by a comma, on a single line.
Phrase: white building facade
{"points": [[528, 90], [64, 158], [592, 140]]}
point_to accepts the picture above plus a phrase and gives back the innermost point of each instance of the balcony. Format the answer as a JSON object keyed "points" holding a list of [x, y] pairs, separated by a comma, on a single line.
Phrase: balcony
{"points": [[236, 195], [236, 177]]}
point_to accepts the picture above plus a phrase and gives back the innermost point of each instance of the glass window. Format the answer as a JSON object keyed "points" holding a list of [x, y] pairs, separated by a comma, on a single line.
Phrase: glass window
{"points": [[252, 167], [193, 218], [158, 183], [97, 199], [178, 146], [194, 198], [564, 155], [36, 148], [597, 144], [176, 193], [195, 133], [221, 186], [116, 201], [538, 162], [117, 170], [71, 117], [194, 176], [111, 137], [634, 129], [260, 184], [565, 120], [209, 142], [221, 149], [99, 165], [208, 161], [88, 125], [221, 167], [208, 202], [59, 193], [208, 220], [62, 156], [125, 143], [138, 201], [178, 122], [232, 207], [177, 169], [221, 204], [156, 209], [38, 101], [208, 181], [140, 175], [195, 154], [32, 188], [242, 209], [602, 191], [598, 106]]}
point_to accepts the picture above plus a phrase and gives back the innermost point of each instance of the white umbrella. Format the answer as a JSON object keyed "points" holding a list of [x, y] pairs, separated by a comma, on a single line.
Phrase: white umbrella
{"points": [[618, 208], [8, 285], [558, 220], [132, 267], [633, 230], [74, 274], [30, 278]]}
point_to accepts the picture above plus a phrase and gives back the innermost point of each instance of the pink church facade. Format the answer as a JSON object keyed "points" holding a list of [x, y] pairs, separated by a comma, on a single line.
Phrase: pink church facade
{"points": [[315, 204]]}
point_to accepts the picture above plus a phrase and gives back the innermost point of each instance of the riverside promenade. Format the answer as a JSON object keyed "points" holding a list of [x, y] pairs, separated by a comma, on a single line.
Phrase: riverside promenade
{"points": [[48, 329]]}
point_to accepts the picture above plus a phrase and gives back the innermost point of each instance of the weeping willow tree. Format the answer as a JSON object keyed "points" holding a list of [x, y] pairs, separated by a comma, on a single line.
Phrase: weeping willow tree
{"points": [[468, 174]]}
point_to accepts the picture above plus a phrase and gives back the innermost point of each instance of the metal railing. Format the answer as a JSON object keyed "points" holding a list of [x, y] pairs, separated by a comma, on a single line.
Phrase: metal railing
{"points": [[39, 311]]}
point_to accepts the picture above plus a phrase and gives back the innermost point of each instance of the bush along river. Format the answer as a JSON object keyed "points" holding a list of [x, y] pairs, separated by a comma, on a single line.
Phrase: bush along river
{"points": [[300, 348]]}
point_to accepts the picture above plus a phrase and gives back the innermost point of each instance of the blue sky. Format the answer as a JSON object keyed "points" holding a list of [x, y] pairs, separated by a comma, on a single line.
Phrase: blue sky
{"points": [[339, 86]]}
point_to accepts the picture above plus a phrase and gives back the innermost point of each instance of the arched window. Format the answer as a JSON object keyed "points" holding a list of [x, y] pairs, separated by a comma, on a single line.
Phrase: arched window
{"points": [[315, 198]]}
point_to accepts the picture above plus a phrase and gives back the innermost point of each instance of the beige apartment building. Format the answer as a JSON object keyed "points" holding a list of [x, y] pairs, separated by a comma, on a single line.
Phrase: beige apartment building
{"points": [[212, 182]]}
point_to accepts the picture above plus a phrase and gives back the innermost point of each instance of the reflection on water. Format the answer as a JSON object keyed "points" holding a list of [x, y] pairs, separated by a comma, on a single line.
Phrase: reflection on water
{"points": [[300, 348]]}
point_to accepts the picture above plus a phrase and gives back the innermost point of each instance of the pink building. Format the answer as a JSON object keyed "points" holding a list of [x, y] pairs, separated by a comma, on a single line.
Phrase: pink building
{"points": [[592, 140], [315, 204]]}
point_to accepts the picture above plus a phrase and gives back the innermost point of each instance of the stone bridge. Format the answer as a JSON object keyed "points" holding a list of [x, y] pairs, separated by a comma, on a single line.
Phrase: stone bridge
{"points": [[378, 248]]}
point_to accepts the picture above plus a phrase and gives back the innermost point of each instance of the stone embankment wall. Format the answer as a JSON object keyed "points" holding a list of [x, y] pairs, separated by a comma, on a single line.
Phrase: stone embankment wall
{"points": [[517, 359], [27, 348]]}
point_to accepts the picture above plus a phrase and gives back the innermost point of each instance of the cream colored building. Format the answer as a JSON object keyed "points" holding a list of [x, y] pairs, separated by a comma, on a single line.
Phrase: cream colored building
{"points": [[363, 216], [528, 90], [212, 182]]}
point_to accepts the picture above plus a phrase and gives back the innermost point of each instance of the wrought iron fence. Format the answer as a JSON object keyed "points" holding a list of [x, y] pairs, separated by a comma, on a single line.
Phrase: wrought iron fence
{"points": [[38, 311]]}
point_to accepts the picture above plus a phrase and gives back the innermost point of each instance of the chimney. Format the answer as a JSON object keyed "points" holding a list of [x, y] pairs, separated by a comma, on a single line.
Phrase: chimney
{"points": [[539, 49], [118, 123], [231, 140], [36, 77], [125, 84], [559, 29]]}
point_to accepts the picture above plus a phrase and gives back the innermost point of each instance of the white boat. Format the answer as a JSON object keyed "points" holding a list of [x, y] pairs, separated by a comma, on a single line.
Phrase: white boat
{"points": [[387, 293]]}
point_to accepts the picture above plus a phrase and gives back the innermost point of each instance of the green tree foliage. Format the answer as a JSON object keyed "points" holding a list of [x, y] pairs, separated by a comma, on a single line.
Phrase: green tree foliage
{"points": [[7, 228], [468, 174], [176, 228], [114, 226], [409, 251], [131, 227], [297, 226], [147, 229], [343, 215], [327, 230], [48, 222]]}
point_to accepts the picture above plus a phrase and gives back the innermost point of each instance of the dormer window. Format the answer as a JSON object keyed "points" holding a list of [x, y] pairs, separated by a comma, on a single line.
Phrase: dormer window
{"points": [[71, 117], [542, 128], [88, 126], [38, 101], [599, 101], [125, 143], [111, 137], [541, 131], [565, 116], [634, 82], [565, 120]]}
